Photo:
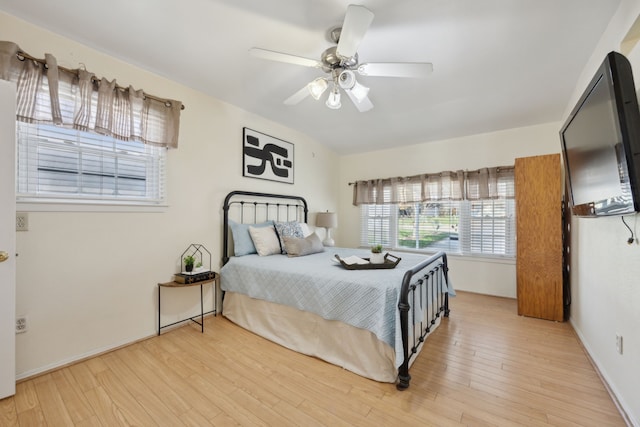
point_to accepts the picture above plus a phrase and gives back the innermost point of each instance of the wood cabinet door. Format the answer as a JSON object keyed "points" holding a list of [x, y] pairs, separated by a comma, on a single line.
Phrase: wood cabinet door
{"points": [[539, 237]]}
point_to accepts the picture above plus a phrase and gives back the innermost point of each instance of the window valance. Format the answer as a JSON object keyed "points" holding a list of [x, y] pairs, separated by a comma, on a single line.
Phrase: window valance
{"points": [[78, 99], [485, 183]]}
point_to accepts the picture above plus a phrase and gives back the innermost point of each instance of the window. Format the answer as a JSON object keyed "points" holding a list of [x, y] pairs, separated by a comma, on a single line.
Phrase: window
{"points": [[465, 213], [81, 138], [428, 225], [479, 227], [59, 164], [491, 227]]}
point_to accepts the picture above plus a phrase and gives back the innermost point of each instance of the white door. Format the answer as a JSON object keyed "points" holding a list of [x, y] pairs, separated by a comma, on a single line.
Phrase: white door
{"points": [[7, 240]]}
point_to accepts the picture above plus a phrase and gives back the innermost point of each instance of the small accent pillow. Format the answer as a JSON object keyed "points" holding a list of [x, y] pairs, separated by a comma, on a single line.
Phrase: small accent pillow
{"points": [[265, 240], [288, 229], [301, 247]]}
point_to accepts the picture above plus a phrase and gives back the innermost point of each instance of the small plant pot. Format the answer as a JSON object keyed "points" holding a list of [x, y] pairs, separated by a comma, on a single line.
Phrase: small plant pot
{"points": [[188, 268], [377, 258]]}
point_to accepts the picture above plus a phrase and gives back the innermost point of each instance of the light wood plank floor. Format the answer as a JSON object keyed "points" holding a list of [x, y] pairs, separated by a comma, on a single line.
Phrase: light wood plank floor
{"points": [[483, 366]]}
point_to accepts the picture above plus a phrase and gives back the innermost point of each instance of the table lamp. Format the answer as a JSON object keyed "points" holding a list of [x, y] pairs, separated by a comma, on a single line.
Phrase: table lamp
{"points": [[327, 220]]}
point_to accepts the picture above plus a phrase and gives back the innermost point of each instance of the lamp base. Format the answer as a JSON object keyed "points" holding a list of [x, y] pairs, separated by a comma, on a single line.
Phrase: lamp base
{"points": [[328, 241]]}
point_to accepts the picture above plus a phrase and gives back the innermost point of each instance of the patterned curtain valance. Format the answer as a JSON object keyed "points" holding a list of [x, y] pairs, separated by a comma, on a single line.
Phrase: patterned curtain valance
{"points": [[78, 99], [486, 183]]}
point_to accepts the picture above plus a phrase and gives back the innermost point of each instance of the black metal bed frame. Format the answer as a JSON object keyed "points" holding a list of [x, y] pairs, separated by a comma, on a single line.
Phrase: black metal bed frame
{"points": [[280, 208], [424, 280]]}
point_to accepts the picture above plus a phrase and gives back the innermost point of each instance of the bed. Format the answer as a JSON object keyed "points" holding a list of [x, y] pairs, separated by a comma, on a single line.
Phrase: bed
{"points": [[372, 322]]}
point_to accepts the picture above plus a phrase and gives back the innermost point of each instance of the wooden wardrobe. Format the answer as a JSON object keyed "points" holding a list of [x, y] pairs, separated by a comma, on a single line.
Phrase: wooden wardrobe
{"points": [[539, 261]]}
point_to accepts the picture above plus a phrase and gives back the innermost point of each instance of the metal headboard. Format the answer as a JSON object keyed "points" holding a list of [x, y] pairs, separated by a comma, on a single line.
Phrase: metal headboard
{"points": [[260, 207]]}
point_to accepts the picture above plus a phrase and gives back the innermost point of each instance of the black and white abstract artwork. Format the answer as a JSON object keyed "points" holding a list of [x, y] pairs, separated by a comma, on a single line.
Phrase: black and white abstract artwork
{"points": [[266, 157]]}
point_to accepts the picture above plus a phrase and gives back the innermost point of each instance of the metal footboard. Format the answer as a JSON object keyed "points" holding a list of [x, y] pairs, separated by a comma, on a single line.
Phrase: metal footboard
{"points": [[423, 299]]}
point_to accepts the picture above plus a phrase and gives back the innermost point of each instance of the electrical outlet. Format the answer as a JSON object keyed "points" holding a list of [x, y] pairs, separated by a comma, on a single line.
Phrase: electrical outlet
{"points": [[21, 324], [619, 343], [22, 221]]}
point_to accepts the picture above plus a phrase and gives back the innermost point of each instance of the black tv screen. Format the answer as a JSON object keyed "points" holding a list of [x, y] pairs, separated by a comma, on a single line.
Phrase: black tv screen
{"points": [[601, 145]]}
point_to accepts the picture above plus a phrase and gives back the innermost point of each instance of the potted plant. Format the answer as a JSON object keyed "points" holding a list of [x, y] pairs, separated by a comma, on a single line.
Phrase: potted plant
{"points": [[189, 260], [377, 257]]}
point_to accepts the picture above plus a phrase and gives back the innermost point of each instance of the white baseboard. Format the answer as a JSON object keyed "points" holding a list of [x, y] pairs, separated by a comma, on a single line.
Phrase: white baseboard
{"points": [[75, 359], [22, 376], [602, 373]]}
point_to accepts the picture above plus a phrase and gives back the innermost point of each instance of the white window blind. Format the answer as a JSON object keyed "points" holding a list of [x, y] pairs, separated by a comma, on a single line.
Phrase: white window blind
{"points": [[488, 227], [60, 164], [377, 223], [492, 224]]}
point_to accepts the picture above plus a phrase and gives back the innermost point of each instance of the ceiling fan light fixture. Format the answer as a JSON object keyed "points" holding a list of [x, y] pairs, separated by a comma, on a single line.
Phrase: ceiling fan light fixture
{"points": [[333, 101], [347, 81], [317, 87]]}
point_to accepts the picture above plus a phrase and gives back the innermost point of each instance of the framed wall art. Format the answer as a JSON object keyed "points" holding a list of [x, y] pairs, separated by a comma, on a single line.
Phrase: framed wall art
{"points": [[266, 157]]}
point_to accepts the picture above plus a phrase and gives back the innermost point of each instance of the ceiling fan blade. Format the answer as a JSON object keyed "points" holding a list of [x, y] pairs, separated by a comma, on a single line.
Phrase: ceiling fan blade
{"points": [[284, 57], [298, 96], [396, 69], [363, 105], [355, 25]]}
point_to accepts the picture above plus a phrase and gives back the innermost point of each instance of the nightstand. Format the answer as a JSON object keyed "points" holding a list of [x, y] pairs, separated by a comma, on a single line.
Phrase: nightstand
{"points": [[214, 285]]}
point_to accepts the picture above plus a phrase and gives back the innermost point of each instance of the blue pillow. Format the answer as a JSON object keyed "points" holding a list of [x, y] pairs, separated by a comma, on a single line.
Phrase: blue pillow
{"points": [[242, 243]]}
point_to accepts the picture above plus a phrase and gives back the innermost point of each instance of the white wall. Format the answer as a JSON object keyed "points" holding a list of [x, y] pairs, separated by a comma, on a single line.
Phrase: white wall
{"points": [[87, 281], [482, 275], [605, 277]]}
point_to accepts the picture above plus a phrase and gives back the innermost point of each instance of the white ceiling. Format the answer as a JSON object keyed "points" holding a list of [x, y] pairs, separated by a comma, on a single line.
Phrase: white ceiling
{"points": [[498, 64]]}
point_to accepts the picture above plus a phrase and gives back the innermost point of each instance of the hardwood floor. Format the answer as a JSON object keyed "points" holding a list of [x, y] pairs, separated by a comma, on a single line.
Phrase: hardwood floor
{"points": [[483, 366]]}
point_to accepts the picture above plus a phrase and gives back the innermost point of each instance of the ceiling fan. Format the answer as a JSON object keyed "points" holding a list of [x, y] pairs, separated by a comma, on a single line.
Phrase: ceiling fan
{"points": [[341, 63]]}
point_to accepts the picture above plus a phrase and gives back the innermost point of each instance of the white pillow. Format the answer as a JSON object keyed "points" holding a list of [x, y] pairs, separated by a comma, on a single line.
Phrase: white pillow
{"points": [[305, 229], [265, 240]]}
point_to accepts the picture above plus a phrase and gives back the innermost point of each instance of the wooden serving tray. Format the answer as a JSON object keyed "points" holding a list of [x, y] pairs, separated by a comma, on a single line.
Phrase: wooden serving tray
{"points": [[388, 263]]}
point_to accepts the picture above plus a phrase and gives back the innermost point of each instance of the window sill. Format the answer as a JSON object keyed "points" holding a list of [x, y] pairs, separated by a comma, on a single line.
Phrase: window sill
{"points": [[497, 259], [72, 206]]}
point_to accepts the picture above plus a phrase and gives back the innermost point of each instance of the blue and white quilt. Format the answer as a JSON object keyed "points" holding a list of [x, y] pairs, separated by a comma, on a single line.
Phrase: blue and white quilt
{"points": [[366, 299]]}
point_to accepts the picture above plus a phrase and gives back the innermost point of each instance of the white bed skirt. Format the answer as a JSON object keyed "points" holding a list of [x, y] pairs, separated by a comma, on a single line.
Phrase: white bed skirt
{"points": [[351, 348]]}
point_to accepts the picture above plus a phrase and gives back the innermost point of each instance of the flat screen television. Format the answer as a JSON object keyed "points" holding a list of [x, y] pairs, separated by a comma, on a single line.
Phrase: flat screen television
{"points": [[601, 143]]}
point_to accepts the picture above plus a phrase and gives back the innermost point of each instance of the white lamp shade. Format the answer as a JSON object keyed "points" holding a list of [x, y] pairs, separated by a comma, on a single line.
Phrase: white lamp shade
{"points": [[327, 219], [347, 81], [317, 87], [333, 101]]}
